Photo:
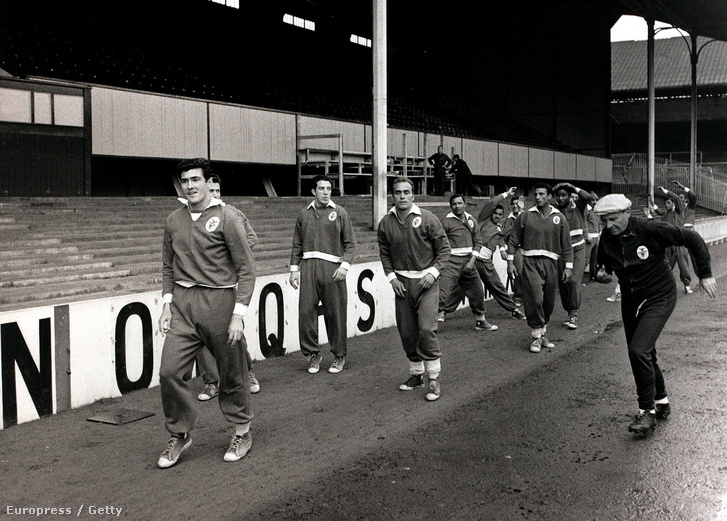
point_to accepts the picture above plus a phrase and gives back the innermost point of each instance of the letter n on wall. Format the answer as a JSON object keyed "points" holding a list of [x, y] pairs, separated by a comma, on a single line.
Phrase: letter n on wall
{"points": [[38, 378]]}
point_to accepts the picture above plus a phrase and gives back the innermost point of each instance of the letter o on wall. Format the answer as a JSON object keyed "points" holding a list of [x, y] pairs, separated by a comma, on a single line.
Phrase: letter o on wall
{"points": [[271, 344], [122, 378]]}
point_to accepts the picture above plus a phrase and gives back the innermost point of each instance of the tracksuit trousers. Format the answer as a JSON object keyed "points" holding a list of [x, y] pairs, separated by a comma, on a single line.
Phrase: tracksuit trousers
{"points": [[201, 317], [317, 285], [540, 285], [416, 320], [455, 282], [493, 284], [570, 292], [207, 367], [679, 255], [644, 319]]}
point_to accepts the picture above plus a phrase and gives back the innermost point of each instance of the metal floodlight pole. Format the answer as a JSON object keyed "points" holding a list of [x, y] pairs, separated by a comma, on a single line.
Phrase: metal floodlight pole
{"points": [[378, 196], [651, 155]]}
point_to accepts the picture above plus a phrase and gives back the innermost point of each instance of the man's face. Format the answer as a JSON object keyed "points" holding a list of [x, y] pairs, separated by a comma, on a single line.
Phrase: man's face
{"points": [[403, 196], [562, 198], [214, 189], [497, 215], [514, 208], [615, 223], [682, 198], [439, 150], [322, 191], [542, 197], [195, 187], [669, 205], [457, 206]]}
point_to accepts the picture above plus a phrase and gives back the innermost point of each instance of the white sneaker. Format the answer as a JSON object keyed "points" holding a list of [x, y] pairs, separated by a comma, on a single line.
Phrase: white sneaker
{"points": [[616, 297], [239, 446], [688, 290], [535, 346], [440, 316]]}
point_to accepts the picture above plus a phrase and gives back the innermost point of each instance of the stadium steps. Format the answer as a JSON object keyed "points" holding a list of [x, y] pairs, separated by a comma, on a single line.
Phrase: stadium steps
{"points": [[56, 250]]}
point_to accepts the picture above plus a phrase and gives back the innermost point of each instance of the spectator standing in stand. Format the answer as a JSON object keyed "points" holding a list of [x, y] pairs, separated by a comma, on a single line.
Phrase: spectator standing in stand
{"points": [[463, 176], [440, 163]]}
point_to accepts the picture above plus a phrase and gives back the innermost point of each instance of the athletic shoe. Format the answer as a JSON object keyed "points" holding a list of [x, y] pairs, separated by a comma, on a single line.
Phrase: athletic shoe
{"points": [[571, 323], [440, 316], [546, 343], [239, 446], [688, 290], [337, 365], [663, 410], [644, 423], [254, 384], [518, 303], [314, 363], [175, 446], [516, 313], [414, 381], [535, 346], [616, 297], [484, 325], [210, 391], [434, 391]]}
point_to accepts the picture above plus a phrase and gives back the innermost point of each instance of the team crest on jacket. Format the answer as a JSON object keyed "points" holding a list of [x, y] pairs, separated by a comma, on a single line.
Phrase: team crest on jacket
{"points": [[416, 222], [471, 223], [556, 219], [332, 216], [642, 252], [212, 224]]}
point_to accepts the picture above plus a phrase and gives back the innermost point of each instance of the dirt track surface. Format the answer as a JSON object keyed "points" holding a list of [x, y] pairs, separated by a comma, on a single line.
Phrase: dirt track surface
{"points": [[515, 435]]}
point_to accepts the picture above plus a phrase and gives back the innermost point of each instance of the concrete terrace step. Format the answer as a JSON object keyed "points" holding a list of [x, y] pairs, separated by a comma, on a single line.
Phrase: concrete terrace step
{"points": [[27, 269], [49, 259], [52, 278]]}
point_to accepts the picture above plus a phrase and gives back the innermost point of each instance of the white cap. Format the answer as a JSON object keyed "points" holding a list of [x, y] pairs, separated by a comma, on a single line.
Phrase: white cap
{"points": [[612, 203]]}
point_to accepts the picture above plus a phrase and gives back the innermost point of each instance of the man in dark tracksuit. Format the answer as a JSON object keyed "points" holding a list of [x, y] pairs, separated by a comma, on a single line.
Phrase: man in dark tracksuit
{"points": [[321, 256], [441, 163], [208, 277], [414, 250], [673, 213], [634, 248]]}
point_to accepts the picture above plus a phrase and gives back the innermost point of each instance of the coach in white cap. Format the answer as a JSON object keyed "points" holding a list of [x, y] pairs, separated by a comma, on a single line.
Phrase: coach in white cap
{"points": [[634, 248]]}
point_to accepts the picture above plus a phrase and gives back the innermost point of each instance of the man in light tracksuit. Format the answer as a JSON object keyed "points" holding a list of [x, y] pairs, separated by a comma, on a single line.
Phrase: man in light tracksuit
{"points": [[460, 277], [323, 245], [414, 250], [543, 236]]}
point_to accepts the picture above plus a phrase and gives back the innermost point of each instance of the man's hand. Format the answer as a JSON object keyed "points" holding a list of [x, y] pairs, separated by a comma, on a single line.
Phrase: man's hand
{"points": [[294, 279], [470, 264], [511, 191], [165, 320], [709, 285], [340, 274], [503, 254], [511, 269], [603, 276], [235, 330], [399, 289], [663, 190], [426, 281], [567, 274]]}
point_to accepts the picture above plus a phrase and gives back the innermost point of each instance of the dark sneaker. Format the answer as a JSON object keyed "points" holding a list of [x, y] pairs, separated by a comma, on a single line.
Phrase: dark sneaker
{"points": [[571, 323], [254, 384], [546, 343], [519, 315], [644, 423], [337, 365], [210, 391], [535, 346], [663, 410], [414, 381], [441, 316], [239, 446], [484, 325], [434, 391], [314, 363], [175, 446]]}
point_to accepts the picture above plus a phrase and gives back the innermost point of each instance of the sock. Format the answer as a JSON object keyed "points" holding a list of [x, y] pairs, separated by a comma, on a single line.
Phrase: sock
{"points": [[433, 367], [416, 368], [663, 400], [241, 430]]}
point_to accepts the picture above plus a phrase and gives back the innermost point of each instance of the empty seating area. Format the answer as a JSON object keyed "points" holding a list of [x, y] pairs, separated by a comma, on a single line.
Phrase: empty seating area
{"points": [[55, 250]]}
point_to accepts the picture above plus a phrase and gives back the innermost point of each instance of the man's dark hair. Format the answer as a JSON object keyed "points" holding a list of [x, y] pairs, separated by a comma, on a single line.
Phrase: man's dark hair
{"points": [[498, 207], [403, 179], [322, 177], [514, 199], [198, 162], [456, 156], [214, 178], [543, 185], [455, 196]]}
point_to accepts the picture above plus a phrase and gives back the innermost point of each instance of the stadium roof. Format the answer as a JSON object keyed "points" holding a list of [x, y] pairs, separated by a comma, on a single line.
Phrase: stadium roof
{"points": [[701, 17], [672, 69]]}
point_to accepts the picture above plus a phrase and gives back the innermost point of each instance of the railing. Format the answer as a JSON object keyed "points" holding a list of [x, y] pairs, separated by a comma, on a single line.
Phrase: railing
{"points": [[630, 175]]}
